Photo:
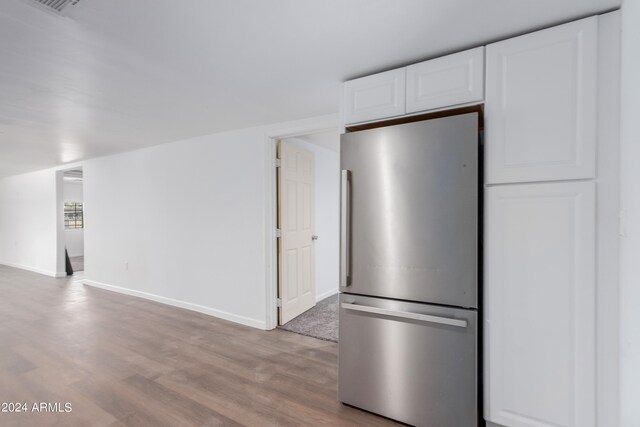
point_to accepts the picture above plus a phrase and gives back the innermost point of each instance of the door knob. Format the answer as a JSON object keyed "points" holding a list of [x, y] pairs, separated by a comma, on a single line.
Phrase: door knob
{"points": [[314, 237]]}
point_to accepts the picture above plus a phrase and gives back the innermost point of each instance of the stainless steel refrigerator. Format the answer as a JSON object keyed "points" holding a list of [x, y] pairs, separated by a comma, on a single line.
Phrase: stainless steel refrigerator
{"points": [[408, 337]]}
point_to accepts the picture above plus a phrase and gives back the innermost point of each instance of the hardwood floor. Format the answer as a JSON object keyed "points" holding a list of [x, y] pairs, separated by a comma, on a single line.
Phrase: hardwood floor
{"points": [[125, 361], [77, 263]]}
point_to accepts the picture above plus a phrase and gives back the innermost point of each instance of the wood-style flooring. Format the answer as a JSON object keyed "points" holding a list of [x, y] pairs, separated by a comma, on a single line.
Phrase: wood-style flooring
{"points": [[125, 361], [77, 263]]}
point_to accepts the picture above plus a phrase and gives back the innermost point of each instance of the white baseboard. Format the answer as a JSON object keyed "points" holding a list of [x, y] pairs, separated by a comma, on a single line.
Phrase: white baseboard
{"points": [[326, 294], [181, 304], [34, 269]]}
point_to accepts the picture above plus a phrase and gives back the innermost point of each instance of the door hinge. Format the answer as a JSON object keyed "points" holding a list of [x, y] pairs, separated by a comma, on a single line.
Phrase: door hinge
{"points": [[278, 302], [278, 233], [278, 163]]}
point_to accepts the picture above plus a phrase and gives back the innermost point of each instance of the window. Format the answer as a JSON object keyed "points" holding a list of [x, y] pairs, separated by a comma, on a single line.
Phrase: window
{"points": [[73, 215]]}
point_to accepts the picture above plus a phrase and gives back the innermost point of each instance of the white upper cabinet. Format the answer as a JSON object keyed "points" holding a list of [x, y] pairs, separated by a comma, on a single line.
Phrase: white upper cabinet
{"points": [[447, 81], [540, 111], [375, 97], [540, 318], [442, 82]]}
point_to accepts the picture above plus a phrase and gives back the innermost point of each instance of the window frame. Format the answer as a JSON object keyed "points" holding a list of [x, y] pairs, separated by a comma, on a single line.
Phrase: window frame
{"points": [[73, 212]]}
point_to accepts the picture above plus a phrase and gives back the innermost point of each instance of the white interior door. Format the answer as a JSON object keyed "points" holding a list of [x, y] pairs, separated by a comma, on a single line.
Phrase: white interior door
{"points": [[296, 207]]}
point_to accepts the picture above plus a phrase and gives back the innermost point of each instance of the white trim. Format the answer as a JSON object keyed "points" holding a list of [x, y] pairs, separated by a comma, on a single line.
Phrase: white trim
{"points": [[326, 295], [287, 130], [177, 303], [629, 241], [608, 204], [60, 236], [60, 233], [341, 119], [271, 245], [303, 127], [34, 269]]}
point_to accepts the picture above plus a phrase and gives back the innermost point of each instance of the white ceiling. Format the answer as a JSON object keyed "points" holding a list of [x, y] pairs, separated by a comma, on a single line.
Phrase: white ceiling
{"points": [[117, 75]]}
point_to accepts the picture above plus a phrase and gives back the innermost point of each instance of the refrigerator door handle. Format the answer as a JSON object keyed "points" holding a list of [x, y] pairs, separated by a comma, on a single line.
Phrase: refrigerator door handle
{"points": [[345, 228], [406, 315]]}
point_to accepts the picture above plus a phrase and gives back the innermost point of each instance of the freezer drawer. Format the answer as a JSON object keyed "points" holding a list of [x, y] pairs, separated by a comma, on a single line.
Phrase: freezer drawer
{"points": [[415, 363], [409, 220]]}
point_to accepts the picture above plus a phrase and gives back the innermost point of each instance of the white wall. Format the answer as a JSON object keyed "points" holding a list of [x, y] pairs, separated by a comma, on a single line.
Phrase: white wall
{"points": [[74, 237], [630, 205], [327, 208], [184, 223], [29, 222]]}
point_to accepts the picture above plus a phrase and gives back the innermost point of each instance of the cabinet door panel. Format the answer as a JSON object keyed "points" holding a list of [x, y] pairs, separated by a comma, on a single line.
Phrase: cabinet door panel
{"points": [[540, 305], [540, 122], [447, 81], [375, 97]]}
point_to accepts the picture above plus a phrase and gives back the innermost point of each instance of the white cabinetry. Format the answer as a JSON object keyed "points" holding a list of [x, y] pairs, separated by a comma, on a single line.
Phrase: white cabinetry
{"points": [[447, 81], [540, 305], [435, 84], [542, 270], [551, 108], [375, 97], [541, 105]]}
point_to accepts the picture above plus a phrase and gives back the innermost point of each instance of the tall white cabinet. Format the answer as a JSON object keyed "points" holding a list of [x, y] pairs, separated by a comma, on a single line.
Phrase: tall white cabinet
{"points": [[540, 307], [541, 176]]}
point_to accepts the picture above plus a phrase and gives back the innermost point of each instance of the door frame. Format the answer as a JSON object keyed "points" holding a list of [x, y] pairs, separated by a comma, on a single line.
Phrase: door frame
{"points": [[60, 233], [299, 128]]}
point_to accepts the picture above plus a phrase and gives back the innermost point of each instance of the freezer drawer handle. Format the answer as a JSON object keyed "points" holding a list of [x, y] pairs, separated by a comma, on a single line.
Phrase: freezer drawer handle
{"points": [[345, 228], [406, 315]]}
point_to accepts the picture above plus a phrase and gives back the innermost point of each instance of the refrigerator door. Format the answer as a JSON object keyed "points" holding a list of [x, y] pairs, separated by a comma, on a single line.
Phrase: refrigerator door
{"points": [[411, 362], [410, 211]]}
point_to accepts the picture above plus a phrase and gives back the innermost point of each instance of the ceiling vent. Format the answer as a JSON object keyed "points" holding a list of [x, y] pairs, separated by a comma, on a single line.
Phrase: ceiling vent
{"points": [[57, 5]]}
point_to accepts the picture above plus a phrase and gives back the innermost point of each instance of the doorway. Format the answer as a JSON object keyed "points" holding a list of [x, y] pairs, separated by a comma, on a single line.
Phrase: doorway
{"points": [[73, 217], [307, 200]]}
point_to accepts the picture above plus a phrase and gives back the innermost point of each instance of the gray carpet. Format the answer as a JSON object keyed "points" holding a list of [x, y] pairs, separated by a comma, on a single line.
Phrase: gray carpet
{"points": [[77, 262], [319, 322]]}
